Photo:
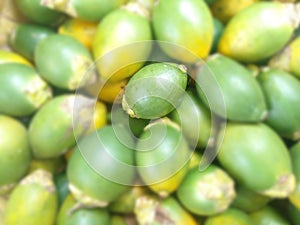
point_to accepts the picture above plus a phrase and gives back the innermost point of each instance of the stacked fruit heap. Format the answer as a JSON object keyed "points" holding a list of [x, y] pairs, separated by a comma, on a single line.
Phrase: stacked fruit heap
{"points": [[168, 112]]}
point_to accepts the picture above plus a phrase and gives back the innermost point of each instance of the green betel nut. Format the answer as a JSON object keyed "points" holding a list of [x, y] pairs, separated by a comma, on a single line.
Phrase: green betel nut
{"points": [[101, 168], [64, 62], [155, 90], [206, 192], [241, 96], [54, 128], [248, 153], [24, 85], [282, 93]]}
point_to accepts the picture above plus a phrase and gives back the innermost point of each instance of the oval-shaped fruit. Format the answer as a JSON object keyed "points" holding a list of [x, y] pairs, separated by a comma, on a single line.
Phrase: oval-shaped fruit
{"points": [[267, 216], [101, 167], [289, 58], [38, 13], [15, 153], [243, 99], [22, 84], [206, 192], [150, 210], [69, 214], [194, 119], [88, 10], [112, 92], [64, 62], [162, 155], [54, 128], [26, 36], [282, 92], [248, 200], [224, 10], [247, 35], [33, 201], [248, 153], [155, 90], [231, 216], [62, 186], [99, 116], [11, 57], [187, 23], [122, 42], [81, 30], [295, 156]]}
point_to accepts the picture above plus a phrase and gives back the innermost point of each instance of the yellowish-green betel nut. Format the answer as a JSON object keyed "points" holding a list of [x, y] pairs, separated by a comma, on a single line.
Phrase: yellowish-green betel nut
{"points": [[295, 156], [282, 93], [64, 62], [186, 23], [248, 153], [159, 84], [24, 85], [54, 128], [33, 201], [120, 52], [241, 98], [247, 35], [268, 215], [15, 155], [162, 155]]}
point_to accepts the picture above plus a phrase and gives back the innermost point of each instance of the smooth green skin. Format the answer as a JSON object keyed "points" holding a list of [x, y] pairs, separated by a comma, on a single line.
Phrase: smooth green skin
{"points": [[26, 36], [86, 178], [268, 216], [249, 201], [191, 197], [94, 10], [295, 156], [63, 61], [230, 217], [294, 214], [31, 204], [282, 92], [82, 216], [187, 23], [248, 153], [218, 30], [161, 155], [242, 96], [62, 186], [51, 130], [159, 84], [38, 13], [247, 35], [15, 155], [16, 80], [115, 47], [199, 133]]}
